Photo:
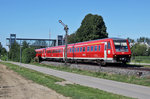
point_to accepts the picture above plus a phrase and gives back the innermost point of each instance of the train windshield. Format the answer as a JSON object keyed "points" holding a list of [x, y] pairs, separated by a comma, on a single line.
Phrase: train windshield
{"points": [[121, 46]]}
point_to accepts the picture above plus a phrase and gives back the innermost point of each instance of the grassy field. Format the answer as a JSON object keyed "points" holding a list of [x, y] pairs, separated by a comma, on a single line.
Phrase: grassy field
{"points": [[141, 59], [121, 78], [74, 91]]}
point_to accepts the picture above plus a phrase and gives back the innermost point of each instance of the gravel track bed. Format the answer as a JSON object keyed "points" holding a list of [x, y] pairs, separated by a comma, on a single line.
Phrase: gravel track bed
{"points": [[107, 69]]}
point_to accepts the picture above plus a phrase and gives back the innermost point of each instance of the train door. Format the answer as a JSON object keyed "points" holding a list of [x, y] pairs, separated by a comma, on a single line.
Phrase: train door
{"points": [[109, 50], [105, 51], [44, 53], [84, 51]]}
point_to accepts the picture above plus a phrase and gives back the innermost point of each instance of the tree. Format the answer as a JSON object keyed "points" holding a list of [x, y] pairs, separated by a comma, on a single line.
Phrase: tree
{"points": [[28, 54], [0, 49], [72, 38], [3, 51], [14, 53], [139, 50], [92, 27], [148, 52], [24, 45]]}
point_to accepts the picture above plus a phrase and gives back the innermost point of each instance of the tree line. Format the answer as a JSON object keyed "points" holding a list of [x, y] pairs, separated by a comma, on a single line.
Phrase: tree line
{"points": [[27, 53]]}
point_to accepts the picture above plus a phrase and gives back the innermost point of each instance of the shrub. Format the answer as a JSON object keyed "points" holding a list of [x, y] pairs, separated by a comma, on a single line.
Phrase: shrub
{"points": [[4, 58], [27, 55]]}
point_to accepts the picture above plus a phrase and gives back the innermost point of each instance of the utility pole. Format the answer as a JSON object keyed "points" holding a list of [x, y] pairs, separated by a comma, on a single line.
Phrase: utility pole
{"points": [[66, 41]]}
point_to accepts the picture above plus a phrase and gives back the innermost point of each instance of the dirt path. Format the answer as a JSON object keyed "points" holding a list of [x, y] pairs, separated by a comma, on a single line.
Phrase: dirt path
{"points": [[13, 86]]}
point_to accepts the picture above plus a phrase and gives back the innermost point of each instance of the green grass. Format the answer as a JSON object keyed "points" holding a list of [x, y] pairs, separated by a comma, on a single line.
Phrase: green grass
{"points": [[141, 59], [145, 81], [71, 90], [147, 66]]}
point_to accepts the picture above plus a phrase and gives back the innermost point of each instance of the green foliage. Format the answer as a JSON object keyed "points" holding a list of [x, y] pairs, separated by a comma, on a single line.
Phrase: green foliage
{"points": [[27, 55], [141, 59], [0, 48], [70, 90], [4, 58], [139, 50], [24, 45], [14, 53], [3, 51], [92, 27], [72, 38], [148, 52]]}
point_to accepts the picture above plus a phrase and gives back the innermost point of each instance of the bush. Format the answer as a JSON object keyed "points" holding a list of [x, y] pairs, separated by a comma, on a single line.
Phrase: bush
{"points": [[27, 55], [4, 58], [139, 50]]}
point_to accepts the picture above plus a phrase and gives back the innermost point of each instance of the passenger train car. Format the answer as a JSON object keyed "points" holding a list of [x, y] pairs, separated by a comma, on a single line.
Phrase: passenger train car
{"points": [[109, 50]]}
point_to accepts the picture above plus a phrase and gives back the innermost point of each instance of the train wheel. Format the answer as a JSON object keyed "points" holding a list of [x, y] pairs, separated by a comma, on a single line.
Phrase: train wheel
{"points": [[99, 63], [124, 64]]}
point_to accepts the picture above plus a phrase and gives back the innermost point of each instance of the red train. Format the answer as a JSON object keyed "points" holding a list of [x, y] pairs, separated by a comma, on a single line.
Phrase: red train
{"points": [[109, 50]]}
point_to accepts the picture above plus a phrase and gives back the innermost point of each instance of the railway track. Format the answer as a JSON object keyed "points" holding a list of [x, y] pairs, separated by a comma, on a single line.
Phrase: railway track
{"points": [[116, 66]]}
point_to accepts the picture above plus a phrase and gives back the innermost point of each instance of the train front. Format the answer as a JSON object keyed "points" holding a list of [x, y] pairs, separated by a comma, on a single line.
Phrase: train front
{"points": [[122, 52]]}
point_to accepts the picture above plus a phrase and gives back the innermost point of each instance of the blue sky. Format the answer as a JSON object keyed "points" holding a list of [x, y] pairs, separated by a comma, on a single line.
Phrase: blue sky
{"points": [[34, 18]]}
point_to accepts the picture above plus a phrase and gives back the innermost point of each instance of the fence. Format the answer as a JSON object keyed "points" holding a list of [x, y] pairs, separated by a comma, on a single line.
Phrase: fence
{"points": [[140, 59]]}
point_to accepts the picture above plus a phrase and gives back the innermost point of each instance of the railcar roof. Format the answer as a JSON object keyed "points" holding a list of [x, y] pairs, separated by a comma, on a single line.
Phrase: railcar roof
{"points": [[113, 38]]}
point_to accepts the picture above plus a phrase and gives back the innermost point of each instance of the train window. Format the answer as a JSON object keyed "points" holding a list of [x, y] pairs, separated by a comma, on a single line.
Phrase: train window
{"points": [[121, 46], [88, 48], [80, 49], [83, 49], [99, 47], [74, 49], [108, 45], [96, 48], [91, 48]]}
